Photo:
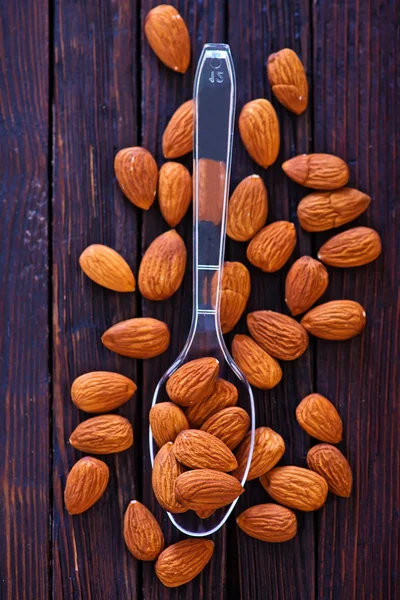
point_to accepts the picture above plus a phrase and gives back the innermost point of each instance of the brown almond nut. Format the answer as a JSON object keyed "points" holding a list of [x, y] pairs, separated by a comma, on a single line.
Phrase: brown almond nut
{"points": [[268, 522], [235, 292], [178, 135], [163, 266], [335, 320], [200, 450], [261, 370], [86, 483], [296, 487], [103, 435], [272, 247], [193, 382], [166, 421], [142, 337], [329, 462], [168, 37], [137, 175], [174, 192], [259, 130], [101, 391], [288, 80], [107, 268], [142, 533], [352, 248], [269, 448], [180, 563], [279, 335], [166, 470], [211, 181], [248, 209], [320, 419], [204, 513], [305, 283], [224, 394], [230, 425], [205, 488], [320, 211], [319, 171]]}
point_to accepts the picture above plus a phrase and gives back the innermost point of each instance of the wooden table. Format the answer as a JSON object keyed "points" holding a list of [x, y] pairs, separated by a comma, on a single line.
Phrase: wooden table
{"points": [[79, 82]]}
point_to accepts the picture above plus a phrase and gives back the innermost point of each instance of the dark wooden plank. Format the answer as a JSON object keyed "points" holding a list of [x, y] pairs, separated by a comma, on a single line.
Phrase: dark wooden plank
{"points": [[356, 117], [95, 107], [24, 277]]}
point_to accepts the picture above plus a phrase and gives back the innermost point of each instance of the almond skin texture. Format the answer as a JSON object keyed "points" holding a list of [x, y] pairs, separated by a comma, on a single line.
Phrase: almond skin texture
{"points": [[103, 435], [166, 470], [163, 266], [202, 489], [137, 175], [182, 562], [261, 370], [143, 337], [174, 192], [248, 209], [269, 448], [319, 418], [272, 246], [320, 211], [319, 171], [279, 335], [235, 292], [329, 462], [168, 37], [178, 135], [101, 391], [200, 450], [107, 268], [142, 533], [230, 425], [288, 80], [335, 320], [193, 382], [295, 487], [259, 130], [268, 523], [225, 394], [305, 283], [351, 248], [86, 483], [166, 421]]}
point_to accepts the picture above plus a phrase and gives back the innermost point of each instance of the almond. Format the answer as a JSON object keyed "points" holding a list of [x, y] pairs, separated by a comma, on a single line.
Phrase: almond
{"points": [[166, 470], [335, 320], [183, 561], [295, 487], [107, 268], [268, 522], [320, 211], [319, 171], [351, 248], [178, 135], [279, 335], [269, 448], [288, 80], [248, 209], [319, 418], [225, 394], [174, 192], [235, 292], [86, 483], [166, 421], [200, 450], [101, 391], [137, 175], [204, 513], [193, 382], [142, 337], [260, 368], [272, 247], [211, 182], [168, 37], [305, 283], [230, 425], [204, 488], [259, 130], [163, 266], [142, 533], [103, 435], [329, 462]]}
